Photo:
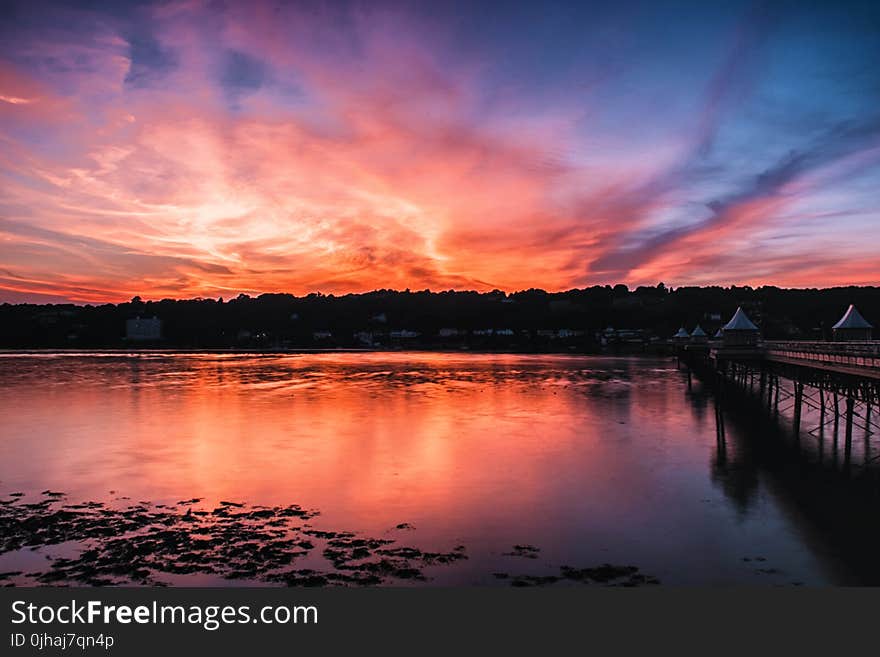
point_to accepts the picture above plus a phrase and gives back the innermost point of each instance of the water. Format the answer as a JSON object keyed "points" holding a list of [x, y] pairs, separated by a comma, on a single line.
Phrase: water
{"points": [[588, 460]]}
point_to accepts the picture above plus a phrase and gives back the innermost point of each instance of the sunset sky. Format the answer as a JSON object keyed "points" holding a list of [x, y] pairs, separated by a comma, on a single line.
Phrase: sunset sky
{"points": [[197, 148]]}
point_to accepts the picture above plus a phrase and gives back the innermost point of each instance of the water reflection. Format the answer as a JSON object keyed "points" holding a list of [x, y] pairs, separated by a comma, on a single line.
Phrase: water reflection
{"points": [[833, 513], [590, 459]]}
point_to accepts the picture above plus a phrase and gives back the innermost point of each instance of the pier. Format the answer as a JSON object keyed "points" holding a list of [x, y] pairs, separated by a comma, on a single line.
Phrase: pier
{"points": [[839, 380]]}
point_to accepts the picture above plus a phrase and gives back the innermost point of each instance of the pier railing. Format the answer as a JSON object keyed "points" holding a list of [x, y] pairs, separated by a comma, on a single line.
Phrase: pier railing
{"points": [[855, 354]]}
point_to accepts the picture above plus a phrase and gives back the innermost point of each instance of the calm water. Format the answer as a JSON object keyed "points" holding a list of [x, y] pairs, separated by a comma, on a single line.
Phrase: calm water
{"points": [[588, 459]]}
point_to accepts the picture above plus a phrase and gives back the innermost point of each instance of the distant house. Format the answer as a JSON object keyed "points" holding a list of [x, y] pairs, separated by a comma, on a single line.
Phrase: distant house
{"points": [[404, 334], [504, 331], [447, 332], [364, 337], [483, 331], [568, 333], [852, 326], [322, 335], [143, 330], [621, 336]]}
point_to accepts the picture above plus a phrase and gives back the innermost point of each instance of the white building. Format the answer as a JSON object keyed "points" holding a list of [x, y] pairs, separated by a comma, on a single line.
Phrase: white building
{"points": [[364, 338], [143, 330]]}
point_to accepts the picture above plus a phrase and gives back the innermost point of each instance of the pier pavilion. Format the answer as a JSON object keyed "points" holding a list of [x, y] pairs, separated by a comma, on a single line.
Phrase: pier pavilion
{"points": [[852, 326]]}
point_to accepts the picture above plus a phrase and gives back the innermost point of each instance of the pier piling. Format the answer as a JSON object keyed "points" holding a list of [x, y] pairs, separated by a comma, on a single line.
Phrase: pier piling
{"points": [[847, 445]]}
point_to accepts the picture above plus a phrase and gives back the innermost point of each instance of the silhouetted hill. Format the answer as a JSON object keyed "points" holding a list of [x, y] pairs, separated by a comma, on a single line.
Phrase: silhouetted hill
{"points": [[527, 320]]}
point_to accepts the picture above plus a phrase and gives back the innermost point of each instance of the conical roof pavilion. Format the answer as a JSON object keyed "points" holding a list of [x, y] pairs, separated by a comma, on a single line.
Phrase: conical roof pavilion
{"points": [[699, 332], [852, 319], [740, 322], [719, 333], [682, 333]]}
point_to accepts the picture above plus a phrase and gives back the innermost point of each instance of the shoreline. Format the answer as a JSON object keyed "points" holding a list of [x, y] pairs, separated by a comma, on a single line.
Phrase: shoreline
{"points": [[341, 350]]}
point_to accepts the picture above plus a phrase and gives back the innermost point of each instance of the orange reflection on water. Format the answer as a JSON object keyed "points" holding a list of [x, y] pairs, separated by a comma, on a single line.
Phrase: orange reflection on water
{"points": [[372, 432]]}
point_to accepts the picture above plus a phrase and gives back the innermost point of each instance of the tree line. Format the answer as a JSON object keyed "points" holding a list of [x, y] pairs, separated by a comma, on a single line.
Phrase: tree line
{"points": [[519, 320]]}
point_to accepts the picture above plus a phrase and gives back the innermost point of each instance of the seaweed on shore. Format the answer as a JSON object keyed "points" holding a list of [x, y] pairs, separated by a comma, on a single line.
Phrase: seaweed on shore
{"points": [[525, 551], [98, 544], [144, 543], [604, 575]]}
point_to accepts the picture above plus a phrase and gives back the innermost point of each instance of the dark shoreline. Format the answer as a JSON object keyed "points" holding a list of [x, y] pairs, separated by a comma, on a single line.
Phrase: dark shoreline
{"points": [[583, 320], [342, 350]]}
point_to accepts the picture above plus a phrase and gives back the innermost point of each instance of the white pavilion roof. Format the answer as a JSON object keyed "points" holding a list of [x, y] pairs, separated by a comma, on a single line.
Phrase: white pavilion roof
{"points": [[682, 333], [698, 332], [852, 319], [740, 322]]}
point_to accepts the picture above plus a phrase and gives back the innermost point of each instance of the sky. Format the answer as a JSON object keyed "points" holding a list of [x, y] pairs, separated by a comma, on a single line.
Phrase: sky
{"points": [[206, 148]]}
